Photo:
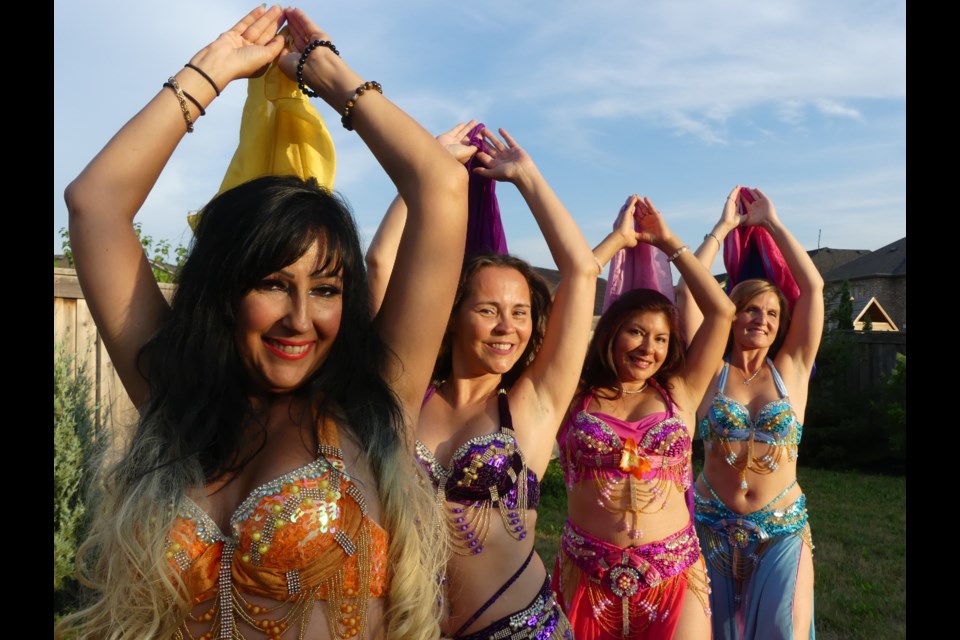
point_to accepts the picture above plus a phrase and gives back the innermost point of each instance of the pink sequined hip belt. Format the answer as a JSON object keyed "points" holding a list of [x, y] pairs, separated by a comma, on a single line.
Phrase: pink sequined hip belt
{"points": [[625, 571]]}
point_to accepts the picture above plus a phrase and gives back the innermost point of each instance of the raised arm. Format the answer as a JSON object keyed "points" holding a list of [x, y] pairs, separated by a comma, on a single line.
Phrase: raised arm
{"points": [[382, 252], [543, 392], [806, 327], [430, 181], [117, 283], [690, 314], [707, 344]]}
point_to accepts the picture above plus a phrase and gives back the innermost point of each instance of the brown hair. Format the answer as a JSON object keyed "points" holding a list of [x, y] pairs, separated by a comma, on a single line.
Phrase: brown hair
{"points": [[540, 302], [744, 292], [599, 370]]}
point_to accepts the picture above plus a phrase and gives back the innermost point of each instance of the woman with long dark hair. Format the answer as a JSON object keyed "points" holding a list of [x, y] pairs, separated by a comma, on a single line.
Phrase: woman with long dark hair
{"points": [[269, 487], [501, 385], [629, 564]]}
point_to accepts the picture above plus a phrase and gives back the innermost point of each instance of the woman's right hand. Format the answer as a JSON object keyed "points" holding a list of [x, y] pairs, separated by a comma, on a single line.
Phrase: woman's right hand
{"points": [[730, 216], [625, 227], [457, 143]]}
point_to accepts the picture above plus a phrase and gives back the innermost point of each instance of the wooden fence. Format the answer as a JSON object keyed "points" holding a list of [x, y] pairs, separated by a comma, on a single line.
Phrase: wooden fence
{"points": [[74, 331], [875, 354]]}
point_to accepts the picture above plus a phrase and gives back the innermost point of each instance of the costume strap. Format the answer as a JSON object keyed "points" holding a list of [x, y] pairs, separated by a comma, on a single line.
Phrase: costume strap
{"points": [[496, 596], [503, 404], [777, 380], [722, 381]]}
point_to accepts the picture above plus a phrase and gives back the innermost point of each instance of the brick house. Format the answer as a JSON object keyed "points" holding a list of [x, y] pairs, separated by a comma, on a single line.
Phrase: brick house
{"points": [[878, 287]]}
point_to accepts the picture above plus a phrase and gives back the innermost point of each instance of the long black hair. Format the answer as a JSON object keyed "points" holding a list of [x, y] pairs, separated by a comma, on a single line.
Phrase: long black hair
{"points": [[199, 396]]}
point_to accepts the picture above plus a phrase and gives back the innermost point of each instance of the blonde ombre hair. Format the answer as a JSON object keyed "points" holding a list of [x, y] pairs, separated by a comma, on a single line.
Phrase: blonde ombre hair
{"points": [[196, 424]]}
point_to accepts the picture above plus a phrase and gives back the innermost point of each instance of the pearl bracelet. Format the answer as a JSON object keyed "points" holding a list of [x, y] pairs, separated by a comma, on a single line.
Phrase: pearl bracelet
{"points": [[676, 254]]}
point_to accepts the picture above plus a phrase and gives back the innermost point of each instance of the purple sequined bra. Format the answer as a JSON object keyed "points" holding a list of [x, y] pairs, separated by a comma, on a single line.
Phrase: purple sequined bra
{"points": [[485, 471]]}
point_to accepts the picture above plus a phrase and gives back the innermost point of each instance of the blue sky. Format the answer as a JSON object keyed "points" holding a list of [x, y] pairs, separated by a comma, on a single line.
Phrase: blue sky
{"points": [[677, 100]]}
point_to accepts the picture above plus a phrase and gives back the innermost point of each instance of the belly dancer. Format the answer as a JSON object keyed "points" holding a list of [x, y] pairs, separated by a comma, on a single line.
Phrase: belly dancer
{"points": [[751, 513]]}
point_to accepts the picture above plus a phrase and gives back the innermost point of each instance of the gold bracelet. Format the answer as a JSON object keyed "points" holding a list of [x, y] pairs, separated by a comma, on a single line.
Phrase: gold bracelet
{"points": [[599, 266], [710, 235], [676, 254], [183, 103]]}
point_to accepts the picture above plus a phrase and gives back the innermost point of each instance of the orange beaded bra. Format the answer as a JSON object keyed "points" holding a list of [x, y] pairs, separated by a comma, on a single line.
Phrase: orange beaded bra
{"points": [[302, 537]]}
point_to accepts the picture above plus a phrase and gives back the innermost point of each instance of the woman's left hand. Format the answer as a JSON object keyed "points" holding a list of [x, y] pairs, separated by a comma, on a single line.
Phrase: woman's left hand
{"points": [[653, 229], [759, 212], [246, 49], [503, 162]]}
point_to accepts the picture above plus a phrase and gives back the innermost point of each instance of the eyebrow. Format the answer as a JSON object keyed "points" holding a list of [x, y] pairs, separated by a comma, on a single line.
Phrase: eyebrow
{"points": [[316, 275]]}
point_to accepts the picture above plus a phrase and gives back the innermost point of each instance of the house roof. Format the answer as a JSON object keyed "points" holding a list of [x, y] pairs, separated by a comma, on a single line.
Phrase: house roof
{"points": [[826, 259], [552, 276], [890, 260]]}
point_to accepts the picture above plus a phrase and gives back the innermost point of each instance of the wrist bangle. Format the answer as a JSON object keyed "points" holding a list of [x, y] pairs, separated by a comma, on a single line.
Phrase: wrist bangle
{"points": [[599, 265], [213, 84], [172, 83], [347, 119], [676, 254], [189, 97], [303, 60], [710, 235]]}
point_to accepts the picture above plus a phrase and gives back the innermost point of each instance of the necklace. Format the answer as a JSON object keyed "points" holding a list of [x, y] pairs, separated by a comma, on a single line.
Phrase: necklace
{"points": [[633, 391], [746, 380]]}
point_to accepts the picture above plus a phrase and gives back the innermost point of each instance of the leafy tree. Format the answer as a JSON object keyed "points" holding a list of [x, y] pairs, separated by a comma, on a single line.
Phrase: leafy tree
{"points": [[159, 253]]}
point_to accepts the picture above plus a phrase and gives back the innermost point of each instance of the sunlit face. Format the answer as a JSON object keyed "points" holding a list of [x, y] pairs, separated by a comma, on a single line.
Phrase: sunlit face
{"points": [[492, 327], [756, 325], [640, 346], [288, 322]]}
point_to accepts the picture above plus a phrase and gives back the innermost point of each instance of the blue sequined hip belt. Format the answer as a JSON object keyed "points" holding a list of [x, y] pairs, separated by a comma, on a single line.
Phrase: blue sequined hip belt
{"points": [[741, 529]]}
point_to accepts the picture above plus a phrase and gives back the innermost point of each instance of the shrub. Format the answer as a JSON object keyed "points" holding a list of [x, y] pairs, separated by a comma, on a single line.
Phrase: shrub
{"points": [[73, 431]]}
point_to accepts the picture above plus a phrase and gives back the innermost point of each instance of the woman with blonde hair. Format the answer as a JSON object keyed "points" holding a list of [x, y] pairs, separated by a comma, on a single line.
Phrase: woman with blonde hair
{"points": [[751, 513], [269, 488]]}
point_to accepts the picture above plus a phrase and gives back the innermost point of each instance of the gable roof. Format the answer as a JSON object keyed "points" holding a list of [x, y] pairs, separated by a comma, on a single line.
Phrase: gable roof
{"points": [[879, 317], [888, 261]]}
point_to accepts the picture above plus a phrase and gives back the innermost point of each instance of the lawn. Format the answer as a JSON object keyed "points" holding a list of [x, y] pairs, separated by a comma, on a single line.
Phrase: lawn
{"points": [[859, 525]]}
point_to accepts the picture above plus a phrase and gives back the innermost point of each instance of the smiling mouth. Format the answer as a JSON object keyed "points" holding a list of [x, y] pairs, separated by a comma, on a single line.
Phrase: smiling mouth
{"points": [[500, 347], [288, 350]]}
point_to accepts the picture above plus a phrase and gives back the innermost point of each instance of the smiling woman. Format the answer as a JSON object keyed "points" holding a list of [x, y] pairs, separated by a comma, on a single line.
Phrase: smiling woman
{"points": [[269, 484], [751, 513], [501, 383], [287, 324], [629, 564]]}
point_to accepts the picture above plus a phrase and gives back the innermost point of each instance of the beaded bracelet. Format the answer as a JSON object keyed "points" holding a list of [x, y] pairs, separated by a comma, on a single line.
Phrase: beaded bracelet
{"points": [[710, 235], [188, 97], [303, 60], [677, 253], [172, 82], [347, 119], [213, 84]]}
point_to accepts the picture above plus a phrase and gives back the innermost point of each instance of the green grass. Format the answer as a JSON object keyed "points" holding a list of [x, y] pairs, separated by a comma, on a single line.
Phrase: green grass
{"points": [[859, 525]]}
